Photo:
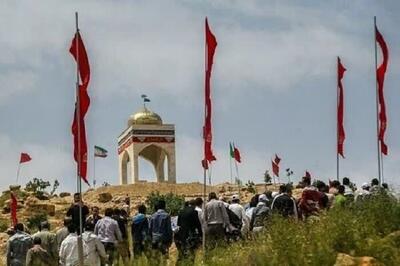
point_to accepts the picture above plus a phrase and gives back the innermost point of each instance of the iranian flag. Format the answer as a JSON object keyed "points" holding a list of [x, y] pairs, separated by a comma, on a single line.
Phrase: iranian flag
{"points": [[100, 152]]}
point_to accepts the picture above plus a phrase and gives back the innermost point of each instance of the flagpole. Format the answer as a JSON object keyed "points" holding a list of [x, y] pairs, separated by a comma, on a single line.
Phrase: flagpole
{"points": [[377, 106], [337, 127], [237, 176], [94, 170], [18, 169], [230, 161], [78, 115]]}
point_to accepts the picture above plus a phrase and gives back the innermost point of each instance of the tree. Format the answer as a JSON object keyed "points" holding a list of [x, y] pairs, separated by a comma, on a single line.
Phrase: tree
{"points": [[267, 177], [250, 187], [173, 202], [56, 184], [289, 173], [37, 185]]}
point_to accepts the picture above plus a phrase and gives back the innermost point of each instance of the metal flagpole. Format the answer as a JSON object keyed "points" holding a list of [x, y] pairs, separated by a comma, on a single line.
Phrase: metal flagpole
{"points": [[337, 126], [237, 176], [377, 106], [230, 160], [78, 115], [18, 169], [204, 207], [94, 169]]}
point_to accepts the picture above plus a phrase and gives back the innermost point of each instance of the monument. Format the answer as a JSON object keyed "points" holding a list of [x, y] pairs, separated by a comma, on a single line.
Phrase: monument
{"points": [[146, 136]]}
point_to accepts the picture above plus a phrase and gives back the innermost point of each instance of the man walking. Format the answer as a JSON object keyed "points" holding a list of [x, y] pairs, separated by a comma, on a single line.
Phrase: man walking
{"points": [[48, 241], [109, 234], [140, 231], [160, 229], [216, 220], [38, 256], [73, 212], [189, 235], [18, 246], [93, 248]]}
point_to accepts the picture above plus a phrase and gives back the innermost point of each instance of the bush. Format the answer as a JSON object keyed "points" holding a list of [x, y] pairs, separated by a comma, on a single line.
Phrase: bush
{"points": [[4, 224], [362, 229], [250, 187], [34, 221], [174, 203]]}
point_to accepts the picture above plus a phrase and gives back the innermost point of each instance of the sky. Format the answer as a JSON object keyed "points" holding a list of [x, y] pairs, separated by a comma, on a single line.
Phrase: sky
{"points": [[273, 84]]}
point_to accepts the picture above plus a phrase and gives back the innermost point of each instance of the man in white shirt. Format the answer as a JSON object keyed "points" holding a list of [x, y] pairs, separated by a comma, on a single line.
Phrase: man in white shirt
{"points": [[69, 248], [93, 248], [238, 209], [108, 231]]}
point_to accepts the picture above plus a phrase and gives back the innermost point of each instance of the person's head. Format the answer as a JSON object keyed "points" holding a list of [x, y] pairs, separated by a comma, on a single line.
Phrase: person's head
{"points": [[161, 204], [192, 203], [142, 209], [283, 188], [306, 181], [235, 198], [95, 211], [268, 194], [117, 212], [254, 200], [341, 189], [365, 186], [346, 181], [19, 227], [89, 227], [212, 195], [262, 198], [109, 212], [71, 228], [385, 185], [77, 197], [375, 182], [320, 186], [45, 225], [186, 203], [335, 184], [37, 240], [199, 202], [67, 221]]}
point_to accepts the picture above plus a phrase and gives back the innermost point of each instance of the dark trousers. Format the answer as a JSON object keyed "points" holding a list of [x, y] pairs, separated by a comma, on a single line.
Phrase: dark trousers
{"points": [[110, 250], [215, 234]]}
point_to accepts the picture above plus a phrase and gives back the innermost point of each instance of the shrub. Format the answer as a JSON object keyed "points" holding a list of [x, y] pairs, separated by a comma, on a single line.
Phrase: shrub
{"points": [[34, 221], [362, 229], [174, 203], [4, 224], [250, 187]]}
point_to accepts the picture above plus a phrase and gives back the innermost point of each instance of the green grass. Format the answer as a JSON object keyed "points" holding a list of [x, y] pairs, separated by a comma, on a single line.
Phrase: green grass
{"points": [[358, 230]]}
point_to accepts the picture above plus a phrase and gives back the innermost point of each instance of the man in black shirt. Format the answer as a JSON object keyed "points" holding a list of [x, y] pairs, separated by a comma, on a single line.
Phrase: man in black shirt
{"points": [[188, 237], [73, 212], [284, 204]]}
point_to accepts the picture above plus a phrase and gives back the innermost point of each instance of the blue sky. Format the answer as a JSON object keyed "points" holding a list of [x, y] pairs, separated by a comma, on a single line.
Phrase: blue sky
{"points": [[274, 83]]}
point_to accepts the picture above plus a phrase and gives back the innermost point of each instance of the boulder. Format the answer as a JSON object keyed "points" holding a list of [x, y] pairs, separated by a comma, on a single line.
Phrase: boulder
{"points": [[347, 260], [105, 197], [49, 209], [64, 194]]}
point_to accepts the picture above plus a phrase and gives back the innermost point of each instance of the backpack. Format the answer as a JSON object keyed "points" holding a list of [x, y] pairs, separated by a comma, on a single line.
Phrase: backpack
{"points": [[234, 219]]}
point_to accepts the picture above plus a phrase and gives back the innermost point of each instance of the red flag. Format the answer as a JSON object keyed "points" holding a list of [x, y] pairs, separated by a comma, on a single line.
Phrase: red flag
{"points": [[275, 168], [308, 175], [78, 51], [13, 208], [340, 109], [211, 44], [380, 77], [24, 158], [236, 154], [277, 159]]}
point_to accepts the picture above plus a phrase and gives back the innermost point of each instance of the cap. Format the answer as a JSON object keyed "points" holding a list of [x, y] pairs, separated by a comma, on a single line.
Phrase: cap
{"points": [[262, 197], [235, 197], [365, 185]]}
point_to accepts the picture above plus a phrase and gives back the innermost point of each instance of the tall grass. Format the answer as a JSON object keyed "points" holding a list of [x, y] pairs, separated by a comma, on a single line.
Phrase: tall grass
{"points": [[359, 230]]}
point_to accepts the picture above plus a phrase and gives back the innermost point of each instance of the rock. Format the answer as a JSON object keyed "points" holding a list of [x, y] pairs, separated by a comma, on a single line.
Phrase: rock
{"points": [[64, 194], [105, 197], [49, 209], [15, 187], [347, 260], [43, 196]]}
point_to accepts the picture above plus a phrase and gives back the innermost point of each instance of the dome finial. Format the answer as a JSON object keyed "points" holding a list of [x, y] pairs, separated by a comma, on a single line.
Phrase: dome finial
{"points": [[145, 100]]}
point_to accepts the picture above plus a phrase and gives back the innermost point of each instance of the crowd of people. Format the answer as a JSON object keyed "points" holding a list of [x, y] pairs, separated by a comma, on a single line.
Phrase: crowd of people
{"points": [[221, 220]]}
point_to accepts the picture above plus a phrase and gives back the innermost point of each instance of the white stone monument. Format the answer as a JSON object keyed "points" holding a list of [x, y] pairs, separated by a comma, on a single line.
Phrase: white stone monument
{"points": [[148, 137]]}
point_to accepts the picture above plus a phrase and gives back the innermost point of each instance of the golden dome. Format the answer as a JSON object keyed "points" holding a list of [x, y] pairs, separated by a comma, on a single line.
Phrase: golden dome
{"points": [[145, 117]]}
